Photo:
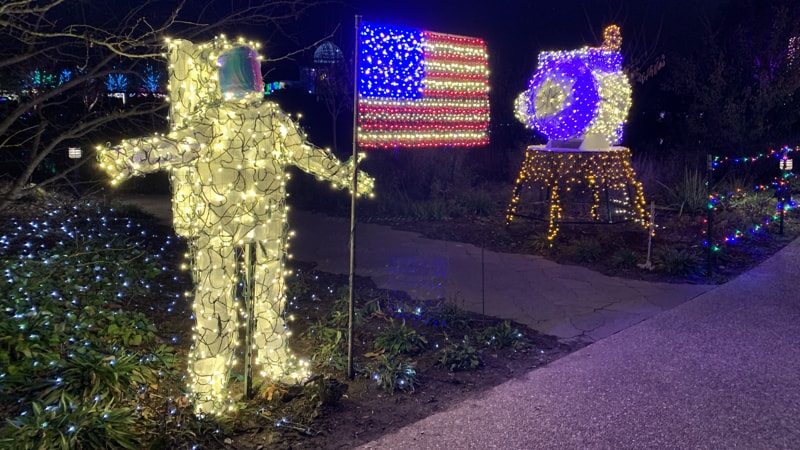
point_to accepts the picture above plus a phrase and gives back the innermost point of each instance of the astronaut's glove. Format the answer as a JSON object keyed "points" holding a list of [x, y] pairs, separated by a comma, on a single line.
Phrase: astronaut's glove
{"points": [[118, 162], [365, 185]]}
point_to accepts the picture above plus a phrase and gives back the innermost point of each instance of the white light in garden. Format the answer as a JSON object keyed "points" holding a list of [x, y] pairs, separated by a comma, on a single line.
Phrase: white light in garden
{"points": [[74, 152]]}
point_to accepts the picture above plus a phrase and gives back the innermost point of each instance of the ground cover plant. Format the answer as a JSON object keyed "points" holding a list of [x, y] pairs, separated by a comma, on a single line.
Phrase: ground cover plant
{"points": [[96, 328], [80, 355]]}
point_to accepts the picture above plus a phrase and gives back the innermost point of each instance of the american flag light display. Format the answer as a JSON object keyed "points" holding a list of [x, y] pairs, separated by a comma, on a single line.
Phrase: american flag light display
{"points": [[421, 89]]}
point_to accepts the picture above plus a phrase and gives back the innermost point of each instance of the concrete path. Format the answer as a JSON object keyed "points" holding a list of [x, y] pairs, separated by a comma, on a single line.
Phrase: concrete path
{"points": [[566, 301], [718, 372]]}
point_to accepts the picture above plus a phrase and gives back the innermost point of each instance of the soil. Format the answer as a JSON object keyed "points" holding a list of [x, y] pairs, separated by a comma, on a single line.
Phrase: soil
{"points": [[365, 411]]}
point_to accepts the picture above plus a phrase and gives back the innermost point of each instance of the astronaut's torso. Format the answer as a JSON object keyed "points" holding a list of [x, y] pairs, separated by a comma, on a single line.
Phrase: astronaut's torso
{"points": [[238, 183]]}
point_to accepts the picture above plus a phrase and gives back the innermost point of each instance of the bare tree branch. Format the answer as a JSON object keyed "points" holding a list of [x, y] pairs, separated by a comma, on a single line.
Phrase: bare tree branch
{"points": [[57, 55]]}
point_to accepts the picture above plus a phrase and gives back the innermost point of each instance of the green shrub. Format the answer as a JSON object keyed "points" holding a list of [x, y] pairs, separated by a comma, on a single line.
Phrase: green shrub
{"points": [[400, 308], [324, 391], [752, 206], [478, 202], [340, 317], [329, 345], [117, 375], [71, 424], [503, 335], [395, 340], [460, 356], [736, 181], [394, 374], [624, 258], [66, 335], [435, 209], [586, 250], [540, 242], [449, 316], [690, 193], [677, 262], [503, 238]]}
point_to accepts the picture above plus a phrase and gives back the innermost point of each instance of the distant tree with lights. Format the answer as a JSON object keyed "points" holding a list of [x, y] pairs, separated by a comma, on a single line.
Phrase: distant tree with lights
{"points": [[117, 84], [151, 80], [44, 112], [740, 85]]}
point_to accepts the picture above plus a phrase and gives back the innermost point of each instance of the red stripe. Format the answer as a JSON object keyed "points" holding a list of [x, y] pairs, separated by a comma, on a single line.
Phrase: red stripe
{"points": [[451, 39], [440, 142], [444, 75], [445, 57], [476, 95], [393, 126], [425, 110]]}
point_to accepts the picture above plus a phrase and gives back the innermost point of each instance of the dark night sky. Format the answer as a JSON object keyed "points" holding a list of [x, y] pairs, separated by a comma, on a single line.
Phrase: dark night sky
{"points": [[515, 31]]}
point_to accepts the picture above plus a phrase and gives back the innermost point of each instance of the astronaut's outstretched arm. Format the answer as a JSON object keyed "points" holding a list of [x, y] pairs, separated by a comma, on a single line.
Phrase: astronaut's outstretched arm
{"points": [[321, 163], [144, 155]]}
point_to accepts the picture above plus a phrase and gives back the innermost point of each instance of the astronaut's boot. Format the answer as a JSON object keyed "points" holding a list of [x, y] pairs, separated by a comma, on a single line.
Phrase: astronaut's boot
{"points": [[274, 361], [208, 383], [278, 365]]}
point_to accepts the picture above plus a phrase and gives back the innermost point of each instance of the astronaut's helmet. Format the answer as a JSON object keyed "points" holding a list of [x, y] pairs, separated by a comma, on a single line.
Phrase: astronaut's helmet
{"points": [[240, 74]]}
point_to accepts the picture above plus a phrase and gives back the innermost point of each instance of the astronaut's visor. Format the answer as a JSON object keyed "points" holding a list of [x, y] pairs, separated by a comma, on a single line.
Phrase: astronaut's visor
{"points": [[240, 73]]}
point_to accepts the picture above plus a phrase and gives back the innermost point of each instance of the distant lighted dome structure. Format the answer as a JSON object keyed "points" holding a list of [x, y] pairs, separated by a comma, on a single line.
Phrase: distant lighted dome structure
{"points": [[328, 53], [579, 95]]}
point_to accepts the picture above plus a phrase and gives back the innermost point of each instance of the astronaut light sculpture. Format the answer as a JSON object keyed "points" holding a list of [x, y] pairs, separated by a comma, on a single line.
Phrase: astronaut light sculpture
{"points": [[226, 155]]}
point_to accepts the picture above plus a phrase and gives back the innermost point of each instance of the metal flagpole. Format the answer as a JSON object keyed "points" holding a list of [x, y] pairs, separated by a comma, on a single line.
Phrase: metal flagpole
{"points": [[353, 187], [249, 293], [709, 217]]}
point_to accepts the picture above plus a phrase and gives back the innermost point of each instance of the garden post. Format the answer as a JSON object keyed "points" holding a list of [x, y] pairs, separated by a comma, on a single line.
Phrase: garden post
{"points": [[709, 217], [785, 167], [248, 296], [782, 199], [351, 295]]}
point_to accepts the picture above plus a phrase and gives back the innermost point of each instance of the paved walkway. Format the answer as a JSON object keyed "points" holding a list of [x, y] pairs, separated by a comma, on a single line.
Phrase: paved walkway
{"points": [[721, 371], [566, 301], [674, 366]]}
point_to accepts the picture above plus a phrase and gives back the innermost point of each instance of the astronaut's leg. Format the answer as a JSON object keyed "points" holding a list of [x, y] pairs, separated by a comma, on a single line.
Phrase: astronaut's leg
{"points": [[216, 325], [271, 334]]}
